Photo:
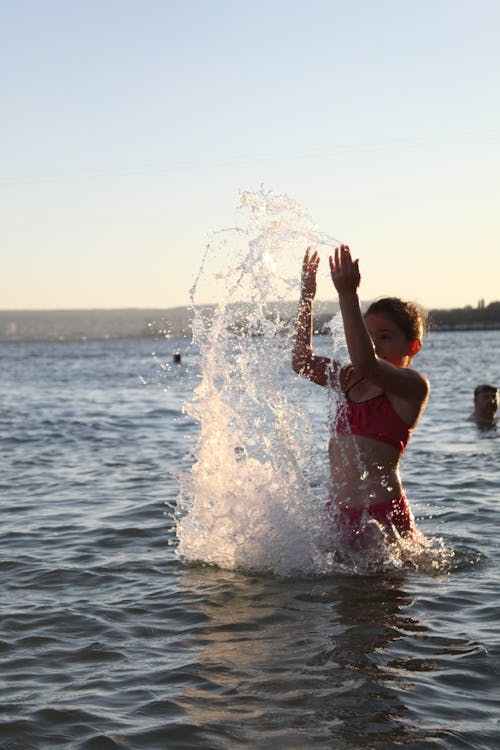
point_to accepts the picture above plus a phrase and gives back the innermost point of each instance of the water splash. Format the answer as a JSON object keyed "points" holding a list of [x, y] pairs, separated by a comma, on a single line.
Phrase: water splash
{"points": [[255, 497]]}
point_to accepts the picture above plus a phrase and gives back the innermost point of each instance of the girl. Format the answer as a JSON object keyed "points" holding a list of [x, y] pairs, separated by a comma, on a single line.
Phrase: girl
{"points": [[384, 397]]}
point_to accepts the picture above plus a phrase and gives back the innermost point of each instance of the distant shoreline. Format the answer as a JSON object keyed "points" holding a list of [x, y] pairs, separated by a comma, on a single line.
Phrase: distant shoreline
{"points": [[154, 323]]}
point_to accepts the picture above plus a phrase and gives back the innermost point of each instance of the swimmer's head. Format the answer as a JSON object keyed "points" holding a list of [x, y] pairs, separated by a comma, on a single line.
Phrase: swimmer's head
{"points": [[485, 402], [491, 390]]}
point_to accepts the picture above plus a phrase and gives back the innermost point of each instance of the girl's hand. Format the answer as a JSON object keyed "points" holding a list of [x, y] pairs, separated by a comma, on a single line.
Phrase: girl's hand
{"points": [[345, 271], [308, 278]]}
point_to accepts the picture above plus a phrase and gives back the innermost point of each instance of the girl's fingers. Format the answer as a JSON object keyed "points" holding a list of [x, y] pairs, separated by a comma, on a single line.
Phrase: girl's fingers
{"points": [[341, 260], [342, 257], [310, 263], [309, 257], [346, 255]]}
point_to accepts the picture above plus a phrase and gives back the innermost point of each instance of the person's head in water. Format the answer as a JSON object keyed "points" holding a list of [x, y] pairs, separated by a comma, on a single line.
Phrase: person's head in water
{"points": [[397, 328], [485, 403]]}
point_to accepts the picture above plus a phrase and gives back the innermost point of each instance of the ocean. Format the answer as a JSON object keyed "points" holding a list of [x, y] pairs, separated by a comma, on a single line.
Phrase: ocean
{"points": [[111, 638]]}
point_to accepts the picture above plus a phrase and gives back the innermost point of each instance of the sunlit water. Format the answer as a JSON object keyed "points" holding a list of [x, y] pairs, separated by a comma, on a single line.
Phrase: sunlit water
{"points": [[111, 638], [247, 502]]}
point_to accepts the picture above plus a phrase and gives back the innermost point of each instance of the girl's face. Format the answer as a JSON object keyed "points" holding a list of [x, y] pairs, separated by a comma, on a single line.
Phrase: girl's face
{"points": [[389, 340]]}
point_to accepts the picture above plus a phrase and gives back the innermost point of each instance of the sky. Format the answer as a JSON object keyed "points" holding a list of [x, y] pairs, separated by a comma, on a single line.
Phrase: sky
{"points": [[129, 128]]}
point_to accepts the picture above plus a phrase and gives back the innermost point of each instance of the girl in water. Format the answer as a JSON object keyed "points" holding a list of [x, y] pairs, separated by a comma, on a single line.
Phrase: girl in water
{"points": [[384, 399]]}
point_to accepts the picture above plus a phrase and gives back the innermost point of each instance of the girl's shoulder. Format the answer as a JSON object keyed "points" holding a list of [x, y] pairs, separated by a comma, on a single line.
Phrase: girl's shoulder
{"points": [[402, 382], [421, 382]]}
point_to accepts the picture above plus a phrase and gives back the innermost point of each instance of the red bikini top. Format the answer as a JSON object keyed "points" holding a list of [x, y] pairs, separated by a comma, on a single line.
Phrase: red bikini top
{"points": [[374, 418]]}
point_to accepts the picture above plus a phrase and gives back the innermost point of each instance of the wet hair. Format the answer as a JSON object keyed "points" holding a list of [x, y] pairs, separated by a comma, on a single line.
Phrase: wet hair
{"points": [[408, 316], [484, 387]]}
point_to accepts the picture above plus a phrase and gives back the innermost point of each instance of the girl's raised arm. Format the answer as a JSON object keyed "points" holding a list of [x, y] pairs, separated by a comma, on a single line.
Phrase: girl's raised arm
{"points": [[304, 361], [402, 381]]}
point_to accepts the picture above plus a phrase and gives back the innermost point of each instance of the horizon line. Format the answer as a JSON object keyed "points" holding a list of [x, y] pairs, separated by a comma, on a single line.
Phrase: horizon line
{"points": [[135, 308]]}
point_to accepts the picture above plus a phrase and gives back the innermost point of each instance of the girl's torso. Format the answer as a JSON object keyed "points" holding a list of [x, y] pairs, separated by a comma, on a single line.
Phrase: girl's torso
{"points": [[367, 441], [364, 470], [374, 417]]}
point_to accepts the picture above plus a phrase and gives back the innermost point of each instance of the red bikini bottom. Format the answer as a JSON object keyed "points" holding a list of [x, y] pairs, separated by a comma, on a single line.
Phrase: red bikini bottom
{"points": [[394, 515]]}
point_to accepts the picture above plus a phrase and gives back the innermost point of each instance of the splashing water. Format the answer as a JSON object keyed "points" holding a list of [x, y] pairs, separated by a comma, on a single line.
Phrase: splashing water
{"points": [[255, 496]]}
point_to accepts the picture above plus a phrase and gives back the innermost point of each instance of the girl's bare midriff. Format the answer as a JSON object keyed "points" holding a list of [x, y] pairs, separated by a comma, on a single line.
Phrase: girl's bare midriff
{"points": [[365, 471]]}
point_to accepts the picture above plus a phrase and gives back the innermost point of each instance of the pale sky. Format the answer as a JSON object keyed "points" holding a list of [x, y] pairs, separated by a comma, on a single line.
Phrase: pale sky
{"points": [[128, 128]]}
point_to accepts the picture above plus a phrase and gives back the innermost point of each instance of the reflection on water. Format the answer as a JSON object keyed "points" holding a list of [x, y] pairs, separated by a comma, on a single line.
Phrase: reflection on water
{"points": [[301, 662]]}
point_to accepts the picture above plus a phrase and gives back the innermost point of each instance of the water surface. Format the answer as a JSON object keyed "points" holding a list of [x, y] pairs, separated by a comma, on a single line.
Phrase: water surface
{"points": [[108, 640]]}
